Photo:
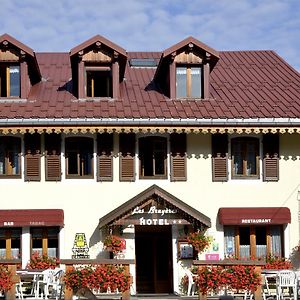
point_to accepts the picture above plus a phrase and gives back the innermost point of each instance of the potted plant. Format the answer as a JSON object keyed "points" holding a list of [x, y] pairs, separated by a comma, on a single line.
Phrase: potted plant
{"points": [[198, 240], [114, 244]]}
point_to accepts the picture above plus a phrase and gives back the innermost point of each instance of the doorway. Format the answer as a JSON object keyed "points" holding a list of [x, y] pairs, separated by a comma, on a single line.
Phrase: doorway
{"points": [[153, 251]]}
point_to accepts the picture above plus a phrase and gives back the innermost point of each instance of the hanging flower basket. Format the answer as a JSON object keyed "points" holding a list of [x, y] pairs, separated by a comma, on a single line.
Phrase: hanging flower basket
{"points": [[114, 244], [199, 241]]}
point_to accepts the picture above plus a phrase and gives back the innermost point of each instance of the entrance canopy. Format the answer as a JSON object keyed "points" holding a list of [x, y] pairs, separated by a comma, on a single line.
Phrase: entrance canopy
{"points": [[254, 215], [31, 217], [155, 206]]}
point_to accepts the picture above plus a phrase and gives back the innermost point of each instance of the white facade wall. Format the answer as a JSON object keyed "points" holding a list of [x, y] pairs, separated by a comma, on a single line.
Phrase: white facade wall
{"points": [[84, 201]]}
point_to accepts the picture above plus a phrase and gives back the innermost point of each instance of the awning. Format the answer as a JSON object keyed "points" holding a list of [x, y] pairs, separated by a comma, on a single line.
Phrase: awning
{"points": [[254, 215], [31, 217]]}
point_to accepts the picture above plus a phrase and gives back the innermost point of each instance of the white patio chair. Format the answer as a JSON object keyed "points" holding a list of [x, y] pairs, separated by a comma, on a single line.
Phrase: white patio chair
{"points": [[191, 284], [19, 290], [269, 288], [55, 284], [286, 284], [42, 284]]}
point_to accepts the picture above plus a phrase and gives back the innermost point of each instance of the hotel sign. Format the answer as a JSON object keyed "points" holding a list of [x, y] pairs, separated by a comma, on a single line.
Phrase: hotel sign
{"points": [[154, 215]]}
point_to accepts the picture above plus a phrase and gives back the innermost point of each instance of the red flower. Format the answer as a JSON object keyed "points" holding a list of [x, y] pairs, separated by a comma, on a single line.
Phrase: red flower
{"points": [[198, 240], [114, 243], [43, 262]]}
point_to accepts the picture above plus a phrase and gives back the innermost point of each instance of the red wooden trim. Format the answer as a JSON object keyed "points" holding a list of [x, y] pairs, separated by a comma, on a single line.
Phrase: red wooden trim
{"points": [[115, 79], [81, 82]]}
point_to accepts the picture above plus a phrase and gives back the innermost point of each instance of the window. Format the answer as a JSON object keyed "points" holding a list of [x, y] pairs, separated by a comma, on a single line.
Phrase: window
{"points": [[10, 149], [10, 243], [98, 82], [245, 157], [9, 80], [188, 82], [44, 240], [153, 157], [253, 241], [79, 157]]}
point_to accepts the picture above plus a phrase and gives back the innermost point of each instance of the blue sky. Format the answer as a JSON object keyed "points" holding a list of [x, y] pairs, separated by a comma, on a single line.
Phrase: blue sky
{"points": [[154, 25]]}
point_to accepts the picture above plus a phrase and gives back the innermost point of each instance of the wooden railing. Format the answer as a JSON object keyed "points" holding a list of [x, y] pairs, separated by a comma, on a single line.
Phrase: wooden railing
{"points": [[257, 264]]}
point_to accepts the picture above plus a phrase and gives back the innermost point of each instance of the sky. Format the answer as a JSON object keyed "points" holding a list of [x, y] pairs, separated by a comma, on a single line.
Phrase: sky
{"points": [[155, 25]]}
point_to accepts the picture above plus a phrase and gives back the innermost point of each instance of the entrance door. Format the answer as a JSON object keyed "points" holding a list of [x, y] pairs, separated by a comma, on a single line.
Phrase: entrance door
{"points": [[153, 251]]}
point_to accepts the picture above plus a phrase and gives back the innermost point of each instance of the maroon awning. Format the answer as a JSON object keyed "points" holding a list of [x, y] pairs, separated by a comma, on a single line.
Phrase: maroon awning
{"points": [[254, 215], [31, 217]]}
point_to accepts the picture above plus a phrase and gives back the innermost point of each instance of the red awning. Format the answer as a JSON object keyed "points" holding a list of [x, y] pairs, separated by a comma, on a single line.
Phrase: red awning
{"points": [[31, 217], [254, 215]]}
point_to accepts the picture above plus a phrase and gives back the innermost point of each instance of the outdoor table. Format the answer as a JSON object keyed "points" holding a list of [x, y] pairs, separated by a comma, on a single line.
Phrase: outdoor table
{"points": [[30, 277]]}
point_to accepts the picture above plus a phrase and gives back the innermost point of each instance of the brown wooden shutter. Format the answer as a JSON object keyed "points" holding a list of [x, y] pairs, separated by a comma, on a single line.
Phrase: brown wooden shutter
{"points": [[32, 157], [127, 156], [178, 156], [219, 157], [271, 157], [104, 157], [53, 157]]}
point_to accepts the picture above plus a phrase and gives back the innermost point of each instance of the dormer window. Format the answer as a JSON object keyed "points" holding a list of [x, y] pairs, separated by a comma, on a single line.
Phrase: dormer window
{"points": [[188, 81], [184, 70], [98, 81], [9, 80], [98, 67]]}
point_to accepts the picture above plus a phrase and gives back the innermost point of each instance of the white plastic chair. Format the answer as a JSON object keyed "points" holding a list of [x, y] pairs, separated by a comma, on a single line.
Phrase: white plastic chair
{"points": [[19, 290], [269, 286], [42, 284], [286, 282], [191, 284], [55, 284]]}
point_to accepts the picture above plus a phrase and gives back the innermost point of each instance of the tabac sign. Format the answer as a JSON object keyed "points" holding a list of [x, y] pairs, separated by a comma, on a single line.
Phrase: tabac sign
{"points": [[153, 214], [80, 248]]}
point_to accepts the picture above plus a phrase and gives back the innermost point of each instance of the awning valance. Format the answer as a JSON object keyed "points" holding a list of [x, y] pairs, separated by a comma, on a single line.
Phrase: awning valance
{"points": [[254, 215], [31, 217]]}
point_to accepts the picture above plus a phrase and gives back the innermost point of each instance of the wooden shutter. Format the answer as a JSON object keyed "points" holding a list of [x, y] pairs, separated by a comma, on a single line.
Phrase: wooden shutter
{"points": [[127, 156], [219, 157], [271, 157], [178, 156], [32, 157], [53, 157], [104, 157]]}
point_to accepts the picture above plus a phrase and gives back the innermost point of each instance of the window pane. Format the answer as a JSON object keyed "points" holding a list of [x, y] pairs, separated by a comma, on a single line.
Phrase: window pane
{"points": [[72, 163], [244, 242], [9, 156], [196, 82], [238, 160], [14, 73], [181, 82], [99, 83], [276, 243], [229, 232], [251, 159], [261, 241], [79, 152]]}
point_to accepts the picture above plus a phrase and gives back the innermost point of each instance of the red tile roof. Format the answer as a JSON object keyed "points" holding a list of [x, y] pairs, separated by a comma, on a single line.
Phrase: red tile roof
{"points": [[243, 84]]}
